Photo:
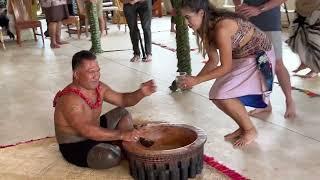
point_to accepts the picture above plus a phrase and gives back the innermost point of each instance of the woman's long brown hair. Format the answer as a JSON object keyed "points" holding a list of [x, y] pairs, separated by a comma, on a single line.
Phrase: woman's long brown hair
{"points": [[210, 17]]}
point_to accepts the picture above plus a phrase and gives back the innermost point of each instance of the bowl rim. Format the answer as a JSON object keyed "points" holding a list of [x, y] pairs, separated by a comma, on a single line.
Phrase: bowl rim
{"points": [[132, 148]]}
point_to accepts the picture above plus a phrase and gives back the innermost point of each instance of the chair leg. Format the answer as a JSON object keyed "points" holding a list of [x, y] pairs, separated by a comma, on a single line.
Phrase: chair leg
{"points": [[68, 26], [34, 34], [42, 35], [86, 24], [18, 36], [78, 28]]}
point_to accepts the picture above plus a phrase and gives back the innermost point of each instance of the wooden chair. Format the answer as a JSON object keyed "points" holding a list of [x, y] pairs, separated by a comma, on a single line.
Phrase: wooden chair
{"points": [[73, 20], [110, 7], [157, 8], [22, 15]]}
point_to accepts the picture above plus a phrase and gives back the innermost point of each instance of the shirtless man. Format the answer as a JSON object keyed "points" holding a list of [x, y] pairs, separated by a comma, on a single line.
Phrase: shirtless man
{"points": [[83, 139]]}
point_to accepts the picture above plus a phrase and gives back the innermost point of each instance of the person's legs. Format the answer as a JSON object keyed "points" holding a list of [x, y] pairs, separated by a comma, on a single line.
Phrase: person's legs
{"points": [[102, 23], [145, 13], [58, 34], [236, 110], [130, 13], [53, 34], [105, 155], [118, 118], [173, 19], [285, 84], [283, 77]]}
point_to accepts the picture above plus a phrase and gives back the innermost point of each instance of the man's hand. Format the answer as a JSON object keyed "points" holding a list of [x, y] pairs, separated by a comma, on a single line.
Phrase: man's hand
{"points": [[148, 88], [248, 11], [131, 136]]}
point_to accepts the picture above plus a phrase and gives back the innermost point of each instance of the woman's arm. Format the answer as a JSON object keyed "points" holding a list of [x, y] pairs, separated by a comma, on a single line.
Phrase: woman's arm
{"points": [[212, 62], [223, 33], [222, 38]]}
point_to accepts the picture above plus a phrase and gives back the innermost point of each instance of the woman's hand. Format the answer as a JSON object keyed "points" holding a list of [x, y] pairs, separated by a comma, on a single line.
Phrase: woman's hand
{"points": [[188, 82]]}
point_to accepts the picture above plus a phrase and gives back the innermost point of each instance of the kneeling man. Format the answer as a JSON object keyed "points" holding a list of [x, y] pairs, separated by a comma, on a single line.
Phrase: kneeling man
{"points": [[85, 138]]}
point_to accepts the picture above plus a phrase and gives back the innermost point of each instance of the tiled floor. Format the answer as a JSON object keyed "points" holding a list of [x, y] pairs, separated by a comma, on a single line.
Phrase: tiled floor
{"points": [[31, 75]]}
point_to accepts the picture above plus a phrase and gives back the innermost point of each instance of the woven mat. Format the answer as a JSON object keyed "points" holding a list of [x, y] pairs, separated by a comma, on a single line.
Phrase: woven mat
{"points": [[42, 160]]}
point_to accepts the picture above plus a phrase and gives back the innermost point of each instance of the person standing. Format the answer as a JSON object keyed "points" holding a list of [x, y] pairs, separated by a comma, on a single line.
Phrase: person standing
{"points": [[55, 11], [305, 36], [143, 8], [266, 15]]}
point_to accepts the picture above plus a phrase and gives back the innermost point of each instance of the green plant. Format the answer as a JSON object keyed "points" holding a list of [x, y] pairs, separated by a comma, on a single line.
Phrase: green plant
{"points": [[182, 40]]}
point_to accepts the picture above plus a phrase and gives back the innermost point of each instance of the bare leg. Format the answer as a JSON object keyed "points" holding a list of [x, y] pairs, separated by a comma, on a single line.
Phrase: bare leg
{"points": [[53, 32], [102, 25], [236, 110], [58, 34], [285, 84], [125, 123]]}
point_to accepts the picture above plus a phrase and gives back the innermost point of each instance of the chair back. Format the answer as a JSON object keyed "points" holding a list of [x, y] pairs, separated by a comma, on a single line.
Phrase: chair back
{"points": [[81, 8], [21, 10], [118, 4]]}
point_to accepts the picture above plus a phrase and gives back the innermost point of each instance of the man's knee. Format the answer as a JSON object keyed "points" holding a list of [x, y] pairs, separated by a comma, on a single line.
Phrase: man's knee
{"points": [[104, 156], [122, 111]]}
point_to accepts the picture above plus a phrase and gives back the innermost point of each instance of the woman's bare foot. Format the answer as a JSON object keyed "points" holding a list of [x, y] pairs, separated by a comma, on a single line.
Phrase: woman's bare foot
{"points": [[233, 135], [254, 112], [62, 42], [54, 46], [301, 67], [246, 138]]}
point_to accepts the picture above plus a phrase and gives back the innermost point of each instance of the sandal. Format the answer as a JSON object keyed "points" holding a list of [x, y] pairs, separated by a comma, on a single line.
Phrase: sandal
{"points": [[147, 59], [135, 58]]}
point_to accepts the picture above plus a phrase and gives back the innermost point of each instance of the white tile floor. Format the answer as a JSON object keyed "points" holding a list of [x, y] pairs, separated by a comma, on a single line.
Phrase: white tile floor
{"points": [[31, 75]]}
